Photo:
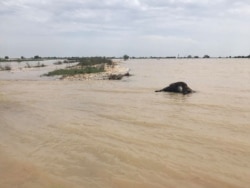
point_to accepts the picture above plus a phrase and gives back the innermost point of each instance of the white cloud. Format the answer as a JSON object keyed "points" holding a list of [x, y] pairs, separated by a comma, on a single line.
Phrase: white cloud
{"points": [[175, 23], [240, 9]]}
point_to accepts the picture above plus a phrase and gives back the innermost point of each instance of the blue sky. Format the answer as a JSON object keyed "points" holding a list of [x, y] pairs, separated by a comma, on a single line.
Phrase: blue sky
{"points": [[118, 27]]}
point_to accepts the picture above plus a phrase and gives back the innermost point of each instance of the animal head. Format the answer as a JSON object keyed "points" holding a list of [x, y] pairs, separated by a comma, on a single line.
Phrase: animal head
{"points": [[180, 89]]}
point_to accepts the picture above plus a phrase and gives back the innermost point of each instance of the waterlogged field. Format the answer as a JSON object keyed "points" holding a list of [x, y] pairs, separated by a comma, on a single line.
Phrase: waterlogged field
{"points": [[31, 70], [107, 133]]}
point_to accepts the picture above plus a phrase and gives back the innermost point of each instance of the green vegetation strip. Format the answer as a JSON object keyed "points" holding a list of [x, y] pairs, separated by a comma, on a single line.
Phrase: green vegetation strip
{"points": [[93, 61], [74, 71]]}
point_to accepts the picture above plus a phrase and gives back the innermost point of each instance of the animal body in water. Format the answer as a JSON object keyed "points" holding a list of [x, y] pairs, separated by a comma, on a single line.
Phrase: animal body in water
{"points": [[177, 87]]}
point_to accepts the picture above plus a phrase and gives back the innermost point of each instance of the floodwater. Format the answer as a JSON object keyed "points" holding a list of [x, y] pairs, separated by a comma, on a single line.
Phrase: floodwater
{"points": [[103, 134]]}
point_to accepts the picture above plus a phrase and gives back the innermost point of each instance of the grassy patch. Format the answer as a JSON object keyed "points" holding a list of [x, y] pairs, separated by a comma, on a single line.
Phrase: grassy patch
{"points": [[86, 65], [74, 71], [90, 61]]}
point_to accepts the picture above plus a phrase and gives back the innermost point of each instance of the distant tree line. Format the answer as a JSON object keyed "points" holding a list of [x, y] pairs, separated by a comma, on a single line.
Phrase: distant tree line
{"points": [[242, 56], [125, 57]]}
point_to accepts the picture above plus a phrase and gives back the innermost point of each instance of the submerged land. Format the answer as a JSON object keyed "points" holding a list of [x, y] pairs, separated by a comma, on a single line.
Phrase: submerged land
{"points": [[84, 68], [100, 68]]}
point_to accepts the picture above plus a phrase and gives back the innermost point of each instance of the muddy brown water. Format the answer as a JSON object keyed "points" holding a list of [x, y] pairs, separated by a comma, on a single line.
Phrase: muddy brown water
{"points": [[96, 133]]}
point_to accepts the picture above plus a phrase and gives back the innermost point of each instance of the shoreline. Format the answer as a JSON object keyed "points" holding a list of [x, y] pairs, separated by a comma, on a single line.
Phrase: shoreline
{"points": [[116, 71]]}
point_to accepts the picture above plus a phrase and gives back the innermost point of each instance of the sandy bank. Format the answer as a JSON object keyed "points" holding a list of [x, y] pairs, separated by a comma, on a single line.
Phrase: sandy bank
{"points": [[112, 72]]}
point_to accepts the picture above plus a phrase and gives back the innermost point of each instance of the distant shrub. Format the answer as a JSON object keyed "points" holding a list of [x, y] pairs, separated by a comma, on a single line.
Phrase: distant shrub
{"points": [[206, 56], [37, 57], [125, 57]]}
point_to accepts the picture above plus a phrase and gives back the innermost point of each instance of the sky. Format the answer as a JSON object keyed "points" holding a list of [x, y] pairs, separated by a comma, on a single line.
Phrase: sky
{"points": [[118, 27]]}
